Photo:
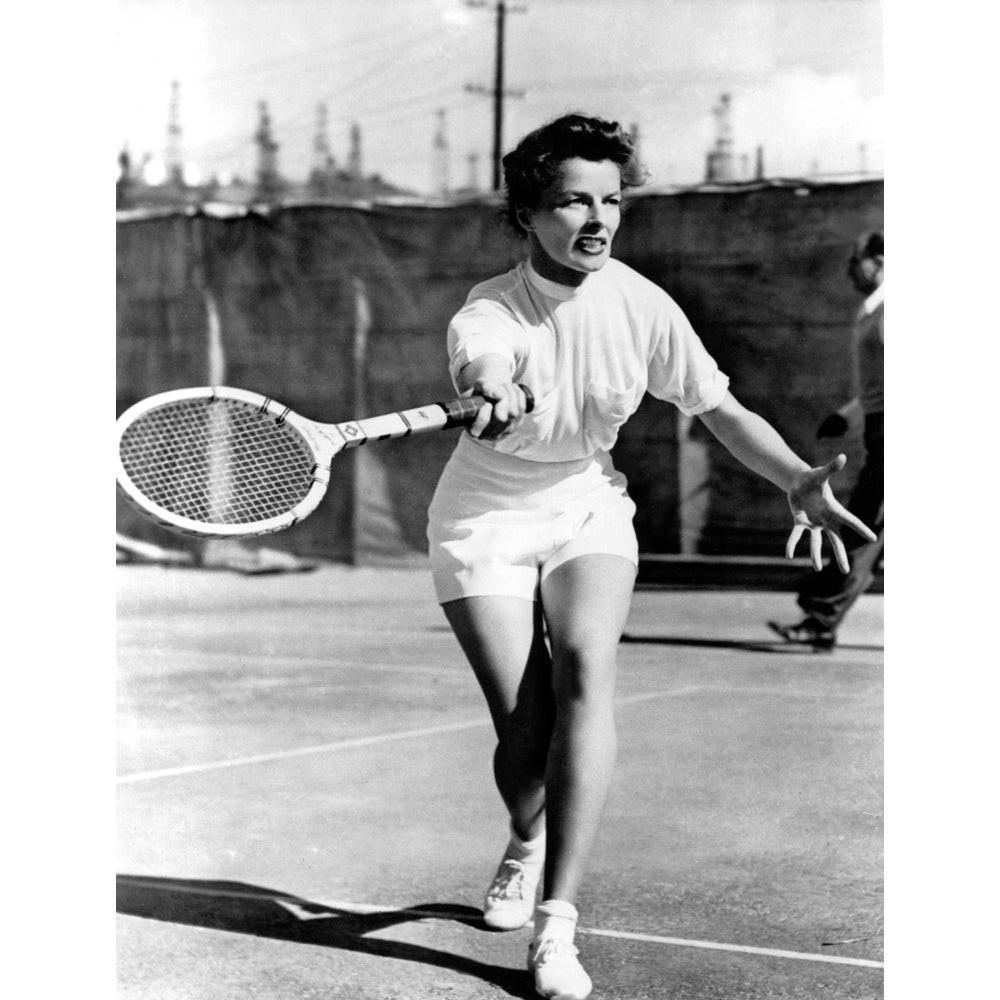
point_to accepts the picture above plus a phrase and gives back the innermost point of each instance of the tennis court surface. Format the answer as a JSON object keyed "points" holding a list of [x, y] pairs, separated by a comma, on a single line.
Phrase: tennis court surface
{"points": [[306, 806]]}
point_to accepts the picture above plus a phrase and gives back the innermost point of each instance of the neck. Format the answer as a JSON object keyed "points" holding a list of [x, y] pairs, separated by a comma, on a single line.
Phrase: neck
{"points": [[546, 267]]}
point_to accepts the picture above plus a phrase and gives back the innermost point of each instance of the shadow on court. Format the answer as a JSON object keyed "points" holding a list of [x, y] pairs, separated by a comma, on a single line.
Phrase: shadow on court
{"points": [[239, 908], [771, 648], [322, 734]]}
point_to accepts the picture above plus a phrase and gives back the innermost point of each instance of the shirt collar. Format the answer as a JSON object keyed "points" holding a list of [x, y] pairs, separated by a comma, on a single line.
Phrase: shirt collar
{"points": [[874, 300], [552, 288]]}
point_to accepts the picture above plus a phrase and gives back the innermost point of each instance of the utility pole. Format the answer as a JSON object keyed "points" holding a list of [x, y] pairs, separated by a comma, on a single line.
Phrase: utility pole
{"points": [[498, 92]]}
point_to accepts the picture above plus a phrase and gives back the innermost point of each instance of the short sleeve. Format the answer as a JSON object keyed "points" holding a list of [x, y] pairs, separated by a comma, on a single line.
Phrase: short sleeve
{"points": [[681, 371], [483, 325]]}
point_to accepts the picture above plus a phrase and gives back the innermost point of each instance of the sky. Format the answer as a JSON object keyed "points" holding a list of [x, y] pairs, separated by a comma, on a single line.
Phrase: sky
{"points": [[805, 79]]}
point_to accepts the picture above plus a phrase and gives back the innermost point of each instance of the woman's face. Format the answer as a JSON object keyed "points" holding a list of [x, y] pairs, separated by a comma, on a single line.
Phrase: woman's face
{"points": [[578, 215], [864, 271]]}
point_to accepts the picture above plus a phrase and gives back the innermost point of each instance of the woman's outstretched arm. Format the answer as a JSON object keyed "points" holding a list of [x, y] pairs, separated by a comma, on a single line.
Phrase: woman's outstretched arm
{"points": [[751, 439]]}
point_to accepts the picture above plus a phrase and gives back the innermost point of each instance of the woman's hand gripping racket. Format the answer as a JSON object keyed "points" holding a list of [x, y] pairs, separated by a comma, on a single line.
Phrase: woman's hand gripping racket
{"points": [[220, 463]]}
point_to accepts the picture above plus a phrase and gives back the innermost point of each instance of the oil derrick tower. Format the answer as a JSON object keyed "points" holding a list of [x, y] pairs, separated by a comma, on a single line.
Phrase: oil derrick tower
{"points": [[473, 161], [125, 184], [441, 180], [719, 166], [354, 156], [268, 180], [321, 175], [636, 134], [173, 159]]}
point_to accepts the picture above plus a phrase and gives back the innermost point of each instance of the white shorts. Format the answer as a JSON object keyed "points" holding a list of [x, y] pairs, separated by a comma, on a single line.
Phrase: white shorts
{"points": [[499, 524]]}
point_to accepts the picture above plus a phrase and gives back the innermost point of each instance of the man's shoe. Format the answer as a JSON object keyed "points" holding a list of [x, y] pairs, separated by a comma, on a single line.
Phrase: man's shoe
{"points": [[510, 899], [808, 632], [558, 972]]}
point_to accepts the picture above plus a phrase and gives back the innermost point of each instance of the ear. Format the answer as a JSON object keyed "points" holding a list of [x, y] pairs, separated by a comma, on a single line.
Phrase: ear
{"points": [[523, 216]]}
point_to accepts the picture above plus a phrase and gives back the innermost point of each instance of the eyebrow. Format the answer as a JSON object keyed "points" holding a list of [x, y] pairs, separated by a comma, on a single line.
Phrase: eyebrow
{"points": [[586, 194]]}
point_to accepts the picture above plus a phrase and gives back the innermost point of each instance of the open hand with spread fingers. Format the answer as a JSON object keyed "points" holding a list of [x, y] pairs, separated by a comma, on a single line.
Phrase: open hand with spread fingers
{"points": [[815, 509]]}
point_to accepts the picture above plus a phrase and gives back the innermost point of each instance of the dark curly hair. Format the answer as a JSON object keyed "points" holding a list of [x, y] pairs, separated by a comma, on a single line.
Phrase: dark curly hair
{"points": [[531, 167], [874, 244]]}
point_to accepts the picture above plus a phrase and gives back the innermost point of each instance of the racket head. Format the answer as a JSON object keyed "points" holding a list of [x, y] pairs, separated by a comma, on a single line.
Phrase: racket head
{"points": [[219, 462]]}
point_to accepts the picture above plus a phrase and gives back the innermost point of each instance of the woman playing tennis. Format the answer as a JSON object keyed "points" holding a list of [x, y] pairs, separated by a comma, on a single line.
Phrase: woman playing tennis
{"points": [[532, 547]]}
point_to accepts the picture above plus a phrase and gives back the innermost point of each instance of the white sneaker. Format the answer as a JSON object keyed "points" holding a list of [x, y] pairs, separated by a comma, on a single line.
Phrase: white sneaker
{"points": [[510, 899], [558, 973]]}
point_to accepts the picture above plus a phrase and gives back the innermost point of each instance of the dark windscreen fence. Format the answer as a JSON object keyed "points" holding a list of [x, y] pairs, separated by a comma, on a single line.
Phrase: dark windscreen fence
{"points": [[340, 311]]}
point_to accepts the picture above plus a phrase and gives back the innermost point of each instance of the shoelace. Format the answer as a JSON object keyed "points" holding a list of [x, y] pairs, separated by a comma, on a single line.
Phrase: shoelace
{"points": [[510, 883], [554, 948]]}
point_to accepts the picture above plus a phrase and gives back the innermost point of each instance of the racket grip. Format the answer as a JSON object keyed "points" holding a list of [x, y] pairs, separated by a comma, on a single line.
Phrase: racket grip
{"points": [[462, 412]]}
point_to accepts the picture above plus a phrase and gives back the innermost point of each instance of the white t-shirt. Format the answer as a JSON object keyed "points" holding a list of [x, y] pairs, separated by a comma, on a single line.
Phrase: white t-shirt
{"points": [[588, 354]]}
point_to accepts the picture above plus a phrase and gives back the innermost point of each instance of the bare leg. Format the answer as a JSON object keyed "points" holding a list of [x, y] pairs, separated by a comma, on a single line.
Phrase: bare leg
{"points": [[586, 602], [503, 639]]}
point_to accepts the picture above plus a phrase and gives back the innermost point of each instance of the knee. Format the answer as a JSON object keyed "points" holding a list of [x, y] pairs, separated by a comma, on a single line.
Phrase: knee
{"points": [[584, 677]]}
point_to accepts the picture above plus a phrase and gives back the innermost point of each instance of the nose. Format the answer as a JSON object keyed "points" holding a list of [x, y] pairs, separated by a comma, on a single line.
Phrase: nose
{"points": [[597, 213]]}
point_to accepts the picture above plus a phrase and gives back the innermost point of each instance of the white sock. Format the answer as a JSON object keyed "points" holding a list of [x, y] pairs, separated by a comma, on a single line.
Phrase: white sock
{"points": [[529, 851], [555, 918]]}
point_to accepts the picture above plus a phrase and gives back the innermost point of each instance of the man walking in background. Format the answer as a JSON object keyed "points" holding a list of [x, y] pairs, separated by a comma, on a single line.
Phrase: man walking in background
{"points": [[828, 595]]}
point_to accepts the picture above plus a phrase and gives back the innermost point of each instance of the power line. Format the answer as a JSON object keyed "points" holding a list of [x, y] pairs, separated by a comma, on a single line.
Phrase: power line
{"points": [[296, 59], [299, 123], [393, 62], [345, 95]]}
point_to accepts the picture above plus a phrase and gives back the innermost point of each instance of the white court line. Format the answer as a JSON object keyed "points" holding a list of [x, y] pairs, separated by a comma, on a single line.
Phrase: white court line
{"points": [[361, 741], [242, 659], [261, 758], [294, 904], [802, 956]]}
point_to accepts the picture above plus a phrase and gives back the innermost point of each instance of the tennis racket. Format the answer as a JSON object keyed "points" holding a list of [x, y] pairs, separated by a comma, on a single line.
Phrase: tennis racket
{"points": [[218, 462]]}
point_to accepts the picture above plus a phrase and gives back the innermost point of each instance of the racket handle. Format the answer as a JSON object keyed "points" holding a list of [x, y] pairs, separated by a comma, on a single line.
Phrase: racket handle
{"points": [[462, 412]]}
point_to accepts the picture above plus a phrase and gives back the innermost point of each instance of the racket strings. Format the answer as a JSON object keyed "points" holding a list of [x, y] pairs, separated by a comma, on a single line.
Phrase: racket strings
{"points": [[217, 461]]}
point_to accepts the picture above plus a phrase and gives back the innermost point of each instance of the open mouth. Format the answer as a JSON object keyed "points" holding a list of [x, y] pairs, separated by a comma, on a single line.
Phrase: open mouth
{"points": [[591, 244]]}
